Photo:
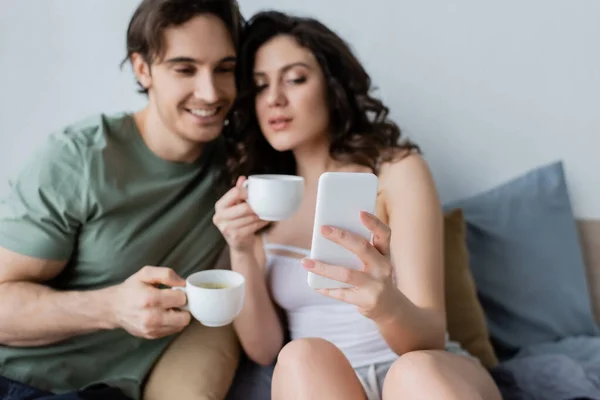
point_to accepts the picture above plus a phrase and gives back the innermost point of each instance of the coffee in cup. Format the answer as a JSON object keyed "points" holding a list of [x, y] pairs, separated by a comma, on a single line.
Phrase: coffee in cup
{"points": [[213, 285]]}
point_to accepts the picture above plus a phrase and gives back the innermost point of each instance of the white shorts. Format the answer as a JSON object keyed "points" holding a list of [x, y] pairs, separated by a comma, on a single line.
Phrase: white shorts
{"points": [[371, 377]]}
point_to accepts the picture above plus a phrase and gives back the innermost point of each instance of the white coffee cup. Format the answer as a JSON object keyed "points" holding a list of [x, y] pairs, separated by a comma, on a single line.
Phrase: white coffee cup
{"points": [[274, 197], [214, 307]]}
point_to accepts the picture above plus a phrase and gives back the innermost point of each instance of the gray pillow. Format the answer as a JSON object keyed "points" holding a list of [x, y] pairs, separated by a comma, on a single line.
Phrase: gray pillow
{"points": [[526, 261]]}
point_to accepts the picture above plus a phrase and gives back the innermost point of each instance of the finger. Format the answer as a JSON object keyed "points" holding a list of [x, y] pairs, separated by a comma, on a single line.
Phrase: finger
{"points": [[251, 228], [168, 298], [233, 196], [364, 297], [241, 223], [240, 184], [382, 233], [341, 274], [240, 181], [160, 276], [347, 295], [176, 318], [238, 223], [227, 215], [356, 244]]}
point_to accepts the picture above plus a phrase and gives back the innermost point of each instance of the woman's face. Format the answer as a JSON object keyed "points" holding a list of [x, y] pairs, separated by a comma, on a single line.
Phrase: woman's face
{"points": [[291, 99]]}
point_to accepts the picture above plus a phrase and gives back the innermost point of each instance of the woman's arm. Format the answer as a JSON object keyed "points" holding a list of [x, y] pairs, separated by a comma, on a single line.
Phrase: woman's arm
{"points": [[415, 217], [401, 286], [258, 326]]}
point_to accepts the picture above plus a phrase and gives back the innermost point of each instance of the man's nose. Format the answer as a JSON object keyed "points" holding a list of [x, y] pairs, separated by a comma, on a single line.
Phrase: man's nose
{"points": [[206, 88]]}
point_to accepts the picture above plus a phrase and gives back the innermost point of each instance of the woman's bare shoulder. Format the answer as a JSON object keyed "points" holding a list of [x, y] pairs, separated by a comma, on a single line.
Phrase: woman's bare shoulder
{"points": [[406, 168]]}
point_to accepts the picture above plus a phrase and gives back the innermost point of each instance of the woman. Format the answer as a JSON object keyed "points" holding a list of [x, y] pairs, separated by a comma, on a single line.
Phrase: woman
{"points": [[305, 109]]}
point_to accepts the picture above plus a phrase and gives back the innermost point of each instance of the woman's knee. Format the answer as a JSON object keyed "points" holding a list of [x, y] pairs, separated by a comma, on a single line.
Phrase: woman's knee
{"points": [[314, 369], [436, 373], [307, 352], [413, 368], [306, 360]]}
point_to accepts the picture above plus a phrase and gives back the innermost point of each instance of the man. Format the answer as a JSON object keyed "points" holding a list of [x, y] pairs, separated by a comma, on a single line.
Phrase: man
{"points": [[114, 209]]}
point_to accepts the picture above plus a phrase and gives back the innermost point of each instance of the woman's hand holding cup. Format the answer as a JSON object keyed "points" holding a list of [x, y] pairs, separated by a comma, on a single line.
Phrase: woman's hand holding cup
{"points": [[236, 220]]}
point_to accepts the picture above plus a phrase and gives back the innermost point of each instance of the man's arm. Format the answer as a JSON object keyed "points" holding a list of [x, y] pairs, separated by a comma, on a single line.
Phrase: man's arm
{"points": [[32, 314], [40, 220]]}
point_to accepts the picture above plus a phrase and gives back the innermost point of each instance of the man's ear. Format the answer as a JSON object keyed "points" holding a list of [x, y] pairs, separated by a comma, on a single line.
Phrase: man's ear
{"points": [[141, 69]]}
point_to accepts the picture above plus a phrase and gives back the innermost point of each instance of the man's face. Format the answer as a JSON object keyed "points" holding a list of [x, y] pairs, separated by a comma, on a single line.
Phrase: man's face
{"points": [[192, 86]]}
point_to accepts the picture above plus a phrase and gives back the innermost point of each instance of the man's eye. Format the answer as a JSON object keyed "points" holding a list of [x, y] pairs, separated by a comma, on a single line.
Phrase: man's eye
{"points": [[184, 71]]}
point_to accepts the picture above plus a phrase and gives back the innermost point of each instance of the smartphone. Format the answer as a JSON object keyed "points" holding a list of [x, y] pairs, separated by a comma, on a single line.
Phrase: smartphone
{"points": [[341, 196]]}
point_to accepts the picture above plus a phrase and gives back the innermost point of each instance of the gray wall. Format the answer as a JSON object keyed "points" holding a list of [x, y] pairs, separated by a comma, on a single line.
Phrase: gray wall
{"points": [[488, 89]]}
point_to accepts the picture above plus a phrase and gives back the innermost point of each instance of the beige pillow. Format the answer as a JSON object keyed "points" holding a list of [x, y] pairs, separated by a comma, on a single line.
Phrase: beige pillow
{"points": [[465, 317], [198, 365]]}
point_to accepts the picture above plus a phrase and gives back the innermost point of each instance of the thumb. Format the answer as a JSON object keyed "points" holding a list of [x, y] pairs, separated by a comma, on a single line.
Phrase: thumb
{"points": [[243, 191], [160, 276], [240, 181]]}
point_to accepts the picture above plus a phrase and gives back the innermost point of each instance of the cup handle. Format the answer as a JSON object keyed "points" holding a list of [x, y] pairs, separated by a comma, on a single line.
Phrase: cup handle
{"points": [[245, 185], [182, 289]]}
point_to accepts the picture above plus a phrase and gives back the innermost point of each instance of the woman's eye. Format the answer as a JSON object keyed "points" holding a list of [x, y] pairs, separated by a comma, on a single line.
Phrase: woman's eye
{"points": [[297, 81], [260, 88]]}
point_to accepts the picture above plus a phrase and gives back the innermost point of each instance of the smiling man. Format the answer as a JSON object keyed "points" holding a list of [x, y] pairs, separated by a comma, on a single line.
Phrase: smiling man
{"points": [[114, 208]]}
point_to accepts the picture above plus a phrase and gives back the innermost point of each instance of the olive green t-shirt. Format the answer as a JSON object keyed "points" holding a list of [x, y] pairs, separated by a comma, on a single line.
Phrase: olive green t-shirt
{"points": [[97, 196]]}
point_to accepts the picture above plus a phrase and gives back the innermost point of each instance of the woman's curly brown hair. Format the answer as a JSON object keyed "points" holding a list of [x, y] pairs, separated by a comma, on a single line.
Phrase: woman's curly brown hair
{"points": [[360, 128]]}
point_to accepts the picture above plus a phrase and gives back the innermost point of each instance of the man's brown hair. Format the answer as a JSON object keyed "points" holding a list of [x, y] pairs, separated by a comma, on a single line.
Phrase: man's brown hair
{"points": [[152, 17]]}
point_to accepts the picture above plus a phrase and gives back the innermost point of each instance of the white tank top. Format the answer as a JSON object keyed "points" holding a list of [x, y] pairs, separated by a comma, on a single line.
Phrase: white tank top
{"points": [[311, 314]]}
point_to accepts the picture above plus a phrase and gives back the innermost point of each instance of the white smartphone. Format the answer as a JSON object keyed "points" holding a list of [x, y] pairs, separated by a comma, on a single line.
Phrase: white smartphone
{"points": [[341, 196]]}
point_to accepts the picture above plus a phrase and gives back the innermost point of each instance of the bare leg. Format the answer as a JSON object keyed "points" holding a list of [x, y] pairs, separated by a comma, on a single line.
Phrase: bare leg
{"points": [[314, 369], [438, 375]]}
